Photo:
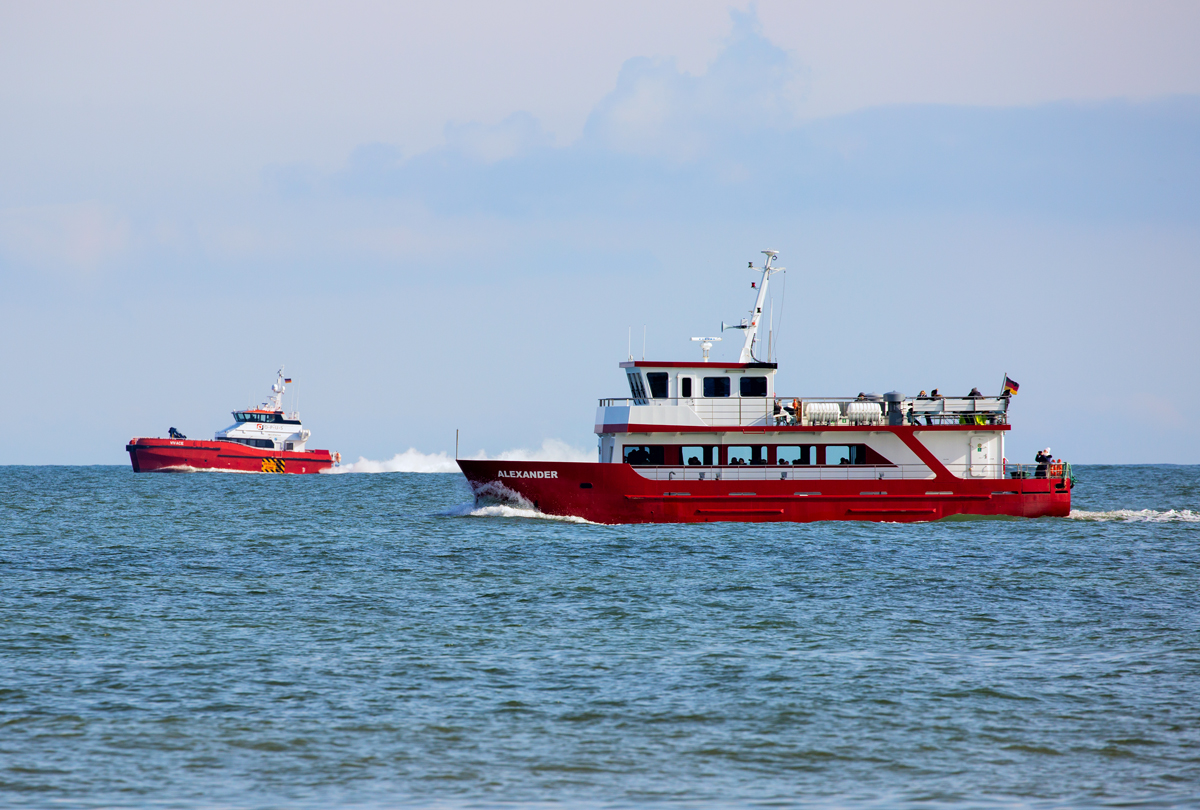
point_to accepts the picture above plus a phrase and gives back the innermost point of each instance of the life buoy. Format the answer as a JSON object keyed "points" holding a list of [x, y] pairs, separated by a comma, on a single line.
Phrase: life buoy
{"points": [[260, 427]]}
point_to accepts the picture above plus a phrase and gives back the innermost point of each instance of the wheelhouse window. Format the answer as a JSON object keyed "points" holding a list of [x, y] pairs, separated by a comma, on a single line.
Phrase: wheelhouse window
{"points": [[644, 454], [746, 454], [754, 386], [685, 387], [636, 389], [716, 386], [696, 455], [245, 416], [658, 384]]}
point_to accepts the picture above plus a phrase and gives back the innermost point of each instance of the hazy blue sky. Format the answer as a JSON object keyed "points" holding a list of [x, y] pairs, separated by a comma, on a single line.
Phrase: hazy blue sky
{"points": [[448, 215]]}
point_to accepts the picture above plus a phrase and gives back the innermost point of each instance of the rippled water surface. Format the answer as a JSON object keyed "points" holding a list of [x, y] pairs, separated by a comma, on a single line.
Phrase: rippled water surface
{"points": [[201, 640]]}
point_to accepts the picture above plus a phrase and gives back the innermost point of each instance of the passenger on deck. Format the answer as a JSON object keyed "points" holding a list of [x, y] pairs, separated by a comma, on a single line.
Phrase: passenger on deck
{"points": [[922, 395], [175, 434], [693, 461], [781, 417], [795, 410], [974, 393], [1043, 459], [932, 395]]}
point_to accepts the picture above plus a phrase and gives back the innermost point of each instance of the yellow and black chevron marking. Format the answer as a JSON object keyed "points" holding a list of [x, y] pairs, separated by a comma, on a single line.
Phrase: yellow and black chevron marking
{"points": [[274, 465]]}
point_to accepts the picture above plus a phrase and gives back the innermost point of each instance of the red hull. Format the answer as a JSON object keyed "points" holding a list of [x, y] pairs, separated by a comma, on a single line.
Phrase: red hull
{"points": [[616, 493], [175, 455]]}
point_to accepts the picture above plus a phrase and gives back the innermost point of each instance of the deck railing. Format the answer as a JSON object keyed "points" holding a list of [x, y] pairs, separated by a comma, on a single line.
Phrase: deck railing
{"points": [[816, 411], [849, 472]]}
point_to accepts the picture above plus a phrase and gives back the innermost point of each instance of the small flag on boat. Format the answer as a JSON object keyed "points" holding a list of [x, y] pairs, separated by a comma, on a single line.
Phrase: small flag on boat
{"points": [[287, 379], [753, 285], [1010, 387]]}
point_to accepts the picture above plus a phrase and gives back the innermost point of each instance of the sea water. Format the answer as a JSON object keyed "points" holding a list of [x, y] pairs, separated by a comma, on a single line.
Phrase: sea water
{"points": [[218, 640]]}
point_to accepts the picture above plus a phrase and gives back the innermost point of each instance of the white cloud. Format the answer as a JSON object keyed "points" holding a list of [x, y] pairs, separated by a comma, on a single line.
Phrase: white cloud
{"points": [[517, 133]]}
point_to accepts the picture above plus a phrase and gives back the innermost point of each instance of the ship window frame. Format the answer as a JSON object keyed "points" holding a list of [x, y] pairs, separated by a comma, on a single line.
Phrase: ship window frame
{"points": [[656, 454], [637, 387], [751, 450], [659, 383], [742, 386], [805, 458], [856, 455], [713, 384]]}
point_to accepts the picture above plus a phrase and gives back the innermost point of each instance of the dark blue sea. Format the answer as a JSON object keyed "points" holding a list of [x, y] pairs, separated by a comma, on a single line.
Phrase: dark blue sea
{"points": [[256, 641]]}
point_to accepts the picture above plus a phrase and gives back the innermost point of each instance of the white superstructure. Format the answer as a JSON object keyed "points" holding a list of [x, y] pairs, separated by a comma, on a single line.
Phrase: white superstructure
{"points": [[268, 426]]}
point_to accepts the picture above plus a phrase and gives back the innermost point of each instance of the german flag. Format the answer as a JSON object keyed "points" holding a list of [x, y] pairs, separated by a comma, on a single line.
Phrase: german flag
{"points": [[289, 379], [1010, 387]]}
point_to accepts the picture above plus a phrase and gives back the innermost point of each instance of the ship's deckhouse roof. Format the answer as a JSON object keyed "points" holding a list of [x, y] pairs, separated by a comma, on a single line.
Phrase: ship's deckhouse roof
{"points": [[697, 365]]}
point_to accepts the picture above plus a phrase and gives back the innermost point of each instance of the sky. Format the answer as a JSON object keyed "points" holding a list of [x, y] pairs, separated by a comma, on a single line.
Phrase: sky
{"points": [[453, 216]]}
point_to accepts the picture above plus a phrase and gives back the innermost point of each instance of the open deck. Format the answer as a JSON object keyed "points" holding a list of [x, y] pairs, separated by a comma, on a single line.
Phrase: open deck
{"points": [[801, 411]]}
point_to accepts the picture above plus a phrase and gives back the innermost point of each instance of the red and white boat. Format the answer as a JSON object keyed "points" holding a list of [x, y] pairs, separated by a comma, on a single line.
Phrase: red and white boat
{"points": [[262, 439], [714, 441]]}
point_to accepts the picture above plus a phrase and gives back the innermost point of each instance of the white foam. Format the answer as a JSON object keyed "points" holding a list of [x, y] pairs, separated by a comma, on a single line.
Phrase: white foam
{"points": [[411, 461], [1139, 515], [506, 511], [414, 461], [551, 450]]}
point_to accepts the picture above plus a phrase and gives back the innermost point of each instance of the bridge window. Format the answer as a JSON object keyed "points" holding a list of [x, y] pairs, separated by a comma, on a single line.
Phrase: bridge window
{"points": [[696, 455], [716, 386], [658, 384], [643, 454], [685, 387], [636, 389], [754, 386], [258, 417]]}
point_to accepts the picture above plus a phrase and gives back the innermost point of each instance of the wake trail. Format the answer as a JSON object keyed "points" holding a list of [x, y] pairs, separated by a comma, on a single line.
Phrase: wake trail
{"points": [[414, 461], [1138, 516]]}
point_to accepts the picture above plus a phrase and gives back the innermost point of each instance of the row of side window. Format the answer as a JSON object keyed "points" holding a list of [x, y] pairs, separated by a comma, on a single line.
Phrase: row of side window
{"points": [[714, 387], [761, 454]]}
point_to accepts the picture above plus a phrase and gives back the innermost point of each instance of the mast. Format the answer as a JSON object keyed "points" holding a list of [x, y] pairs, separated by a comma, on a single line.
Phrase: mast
{"points": [[751, 326], [278, 389]]}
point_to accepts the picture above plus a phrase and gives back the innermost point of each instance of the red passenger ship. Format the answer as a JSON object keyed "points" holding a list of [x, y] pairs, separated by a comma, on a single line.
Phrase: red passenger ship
{"points": [[713, 441], [262, 439]]}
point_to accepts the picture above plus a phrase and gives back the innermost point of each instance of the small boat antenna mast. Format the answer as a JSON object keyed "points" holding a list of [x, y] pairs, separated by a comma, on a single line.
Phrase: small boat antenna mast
{"points": [[277, 389], [751, 325]]}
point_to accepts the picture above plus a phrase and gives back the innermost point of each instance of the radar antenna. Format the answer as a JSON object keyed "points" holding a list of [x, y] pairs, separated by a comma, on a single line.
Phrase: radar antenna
{"points": [[706, 344]]}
